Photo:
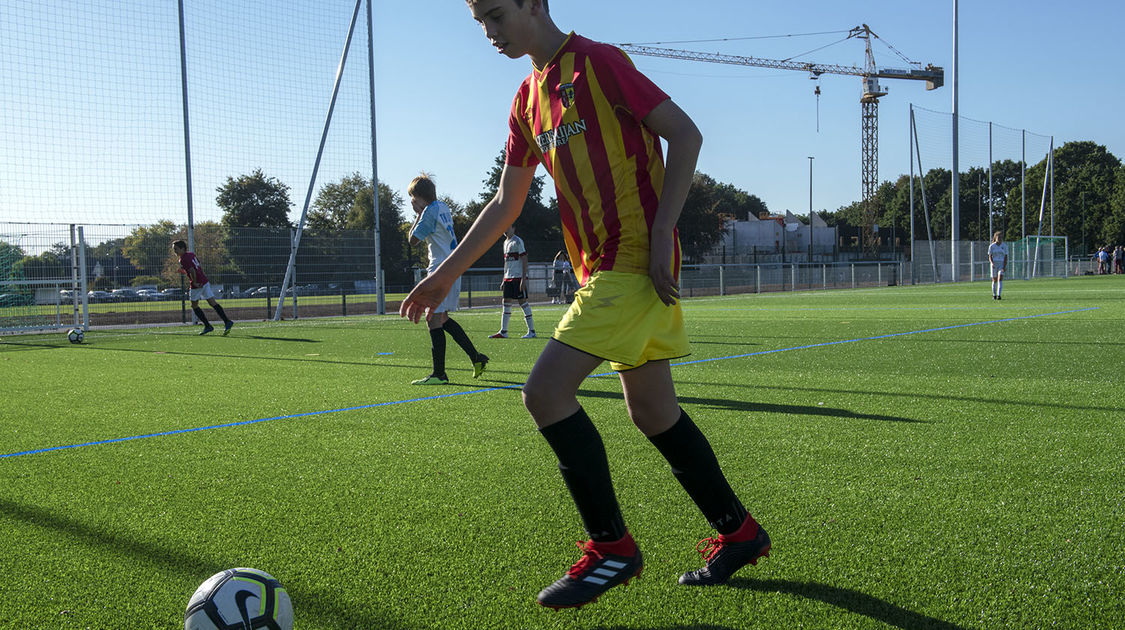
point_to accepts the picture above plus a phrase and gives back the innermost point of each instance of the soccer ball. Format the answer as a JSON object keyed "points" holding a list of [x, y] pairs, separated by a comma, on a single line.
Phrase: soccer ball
{"points": [[239, 598], [75, 335]]}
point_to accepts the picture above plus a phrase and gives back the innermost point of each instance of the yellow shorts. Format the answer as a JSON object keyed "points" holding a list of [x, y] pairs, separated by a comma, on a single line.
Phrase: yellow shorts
{"points": [[618, 317]]}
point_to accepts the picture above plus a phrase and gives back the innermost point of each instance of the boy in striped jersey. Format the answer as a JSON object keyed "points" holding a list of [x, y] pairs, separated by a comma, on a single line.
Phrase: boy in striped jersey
{"points": [[595, 124]]}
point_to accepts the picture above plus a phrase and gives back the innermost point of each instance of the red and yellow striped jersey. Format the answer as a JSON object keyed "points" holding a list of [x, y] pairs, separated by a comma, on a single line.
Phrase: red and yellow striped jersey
{"points": [[580, 116]]}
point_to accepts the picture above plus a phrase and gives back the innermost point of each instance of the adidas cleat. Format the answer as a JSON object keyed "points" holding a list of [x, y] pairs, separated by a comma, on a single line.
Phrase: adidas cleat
{"points": [[503, 334], [226, 328], [206, 329], [530, 335], [724, 557], [593, 574]]}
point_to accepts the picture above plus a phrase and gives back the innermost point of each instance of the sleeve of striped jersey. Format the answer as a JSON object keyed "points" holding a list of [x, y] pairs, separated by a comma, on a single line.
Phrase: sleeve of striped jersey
{"points": [[518, 150], [638, 92]]}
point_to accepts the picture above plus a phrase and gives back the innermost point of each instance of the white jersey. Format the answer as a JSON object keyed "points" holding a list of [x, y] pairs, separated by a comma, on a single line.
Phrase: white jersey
{"points": [[436, 228], [514, 254], [998, 253]]}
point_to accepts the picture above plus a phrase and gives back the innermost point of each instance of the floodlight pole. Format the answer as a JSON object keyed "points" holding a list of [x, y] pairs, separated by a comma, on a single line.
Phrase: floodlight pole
{"points": [[990, 230], [955, 224], [810, 214], [910, 135], [380, 288], [187, 137]]}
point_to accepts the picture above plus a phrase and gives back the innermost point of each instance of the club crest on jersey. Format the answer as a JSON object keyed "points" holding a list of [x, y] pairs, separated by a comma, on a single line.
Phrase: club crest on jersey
{"points": [[566, 94]]}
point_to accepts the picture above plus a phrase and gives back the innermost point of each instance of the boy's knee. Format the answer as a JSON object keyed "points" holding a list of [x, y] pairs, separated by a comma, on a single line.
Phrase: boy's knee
{"points": [[540, 399]]}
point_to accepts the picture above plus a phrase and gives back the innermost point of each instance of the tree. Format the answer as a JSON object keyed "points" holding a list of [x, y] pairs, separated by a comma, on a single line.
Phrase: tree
{"points": [[339, 231], [148, 247], [256, 215], [254, 200], [538, 223], [11, 261], [701, 223], [334, 201]]}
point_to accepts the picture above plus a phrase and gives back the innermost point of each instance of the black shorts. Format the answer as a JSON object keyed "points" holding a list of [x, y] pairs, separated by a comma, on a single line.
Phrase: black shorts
{"points": [[512, 290]]}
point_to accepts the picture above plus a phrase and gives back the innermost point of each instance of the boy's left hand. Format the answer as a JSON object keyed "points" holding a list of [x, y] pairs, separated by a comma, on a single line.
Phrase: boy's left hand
{"points": [[660, 269]]}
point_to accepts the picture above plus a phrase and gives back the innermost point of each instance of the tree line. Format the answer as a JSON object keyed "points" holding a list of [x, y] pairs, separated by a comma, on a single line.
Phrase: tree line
{"points": [[251, 242]]}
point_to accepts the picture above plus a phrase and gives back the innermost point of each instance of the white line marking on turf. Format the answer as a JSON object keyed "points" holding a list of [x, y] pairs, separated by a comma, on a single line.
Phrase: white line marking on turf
{"points": [[493, 389]]}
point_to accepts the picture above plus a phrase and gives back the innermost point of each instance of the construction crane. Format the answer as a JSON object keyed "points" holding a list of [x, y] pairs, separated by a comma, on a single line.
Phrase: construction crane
{"points": [[933, 75]]}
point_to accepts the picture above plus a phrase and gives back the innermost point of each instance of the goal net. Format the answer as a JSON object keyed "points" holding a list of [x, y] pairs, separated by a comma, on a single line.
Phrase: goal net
{"points": [[1038, 257], [40, 287]]}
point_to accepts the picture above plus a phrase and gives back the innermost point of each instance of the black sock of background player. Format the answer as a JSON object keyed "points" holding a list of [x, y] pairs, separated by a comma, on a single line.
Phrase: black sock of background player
{"points": [[585, 469], [199, 313], [221, 312], [694, 464], [454, 329], [437, 350]]}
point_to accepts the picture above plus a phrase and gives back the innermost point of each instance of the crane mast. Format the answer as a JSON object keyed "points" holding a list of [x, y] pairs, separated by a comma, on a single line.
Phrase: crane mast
{"points": [[934, 77]]}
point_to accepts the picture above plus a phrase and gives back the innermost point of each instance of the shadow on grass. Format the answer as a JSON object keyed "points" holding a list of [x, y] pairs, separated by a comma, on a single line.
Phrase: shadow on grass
{"points": [[317, 604], [849, 600], [701, 626], [752, 407], [943, 397], [275, 338]]}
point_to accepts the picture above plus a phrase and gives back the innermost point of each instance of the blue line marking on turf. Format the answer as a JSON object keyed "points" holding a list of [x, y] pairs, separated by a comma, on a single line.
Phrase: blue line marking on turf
{"points": [[493, 389]]}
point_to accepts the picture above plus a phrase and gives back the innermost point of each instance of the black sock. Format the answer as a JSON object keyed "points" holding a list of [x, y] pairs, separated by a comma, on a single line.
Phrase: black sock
{"points": [[694, 464], [585, 470], [199, 313], [221, 312], [454, 329], [437, 350]]}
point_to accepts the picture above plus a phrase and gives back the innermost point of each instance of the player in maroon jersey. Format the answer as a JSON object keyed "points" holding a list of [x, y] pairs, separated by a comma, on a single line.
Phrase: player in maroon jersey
{"points": [[199, 287]]}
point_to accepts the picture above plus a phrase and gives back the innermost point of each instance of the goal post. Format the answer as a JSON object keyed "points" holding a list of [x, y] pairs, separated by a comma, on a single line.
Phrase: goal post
{"points": [[53, 295], [1038, 257]]}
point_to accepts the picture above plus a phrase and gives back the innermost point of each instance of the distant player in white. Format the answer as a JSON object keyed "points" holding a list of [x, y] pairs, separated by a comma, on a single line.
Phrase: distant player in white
{"points": [[434, 225], [998, 259], [514, 285]]}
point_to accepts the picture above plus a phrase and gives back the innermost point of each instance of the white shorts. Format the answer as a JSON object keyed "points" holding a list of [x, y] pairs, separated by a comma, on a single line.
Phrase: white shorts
{"points": [[451, 301], [202, 293], [997, 270]]}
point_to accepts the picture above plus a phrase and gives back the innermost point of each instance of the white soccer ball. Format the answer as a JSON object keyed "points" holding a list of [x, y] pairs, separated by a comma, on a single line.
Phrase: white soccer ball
{"points": [[75, 335], [238, 599]]}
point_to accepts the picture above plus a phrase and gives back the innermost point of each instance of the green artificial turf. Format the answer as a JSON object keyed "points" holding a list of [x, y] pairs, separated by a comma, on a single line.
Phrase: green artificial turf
{"points": [[923, 457]]}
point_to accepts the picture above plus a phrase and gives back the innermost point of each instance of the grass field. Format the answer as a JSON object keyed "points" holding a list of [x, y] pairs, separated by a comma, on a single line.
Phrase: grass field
{"points": [[923, 457]]}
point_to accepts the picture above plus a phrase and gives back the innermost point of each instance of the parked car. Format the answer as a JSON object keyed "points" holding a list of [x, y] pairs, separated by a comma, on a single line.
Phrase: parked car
{"points": [[247, 293], [99, 296], [149, 295], [173, 293], [261, 292], [124, 295]]}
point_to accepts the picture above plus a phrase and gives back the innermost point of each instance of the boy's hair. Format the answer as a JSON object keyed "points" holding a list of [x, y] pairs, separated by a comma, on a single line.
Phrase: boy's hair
{"points": [[423, 186], [179, 244], [519, 3]]}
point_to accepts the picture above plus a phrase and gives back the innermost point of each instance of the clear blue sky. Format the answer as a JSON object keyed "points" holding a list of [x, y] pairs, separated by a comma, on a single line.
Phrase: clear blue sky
{"points": [[90, 119]]}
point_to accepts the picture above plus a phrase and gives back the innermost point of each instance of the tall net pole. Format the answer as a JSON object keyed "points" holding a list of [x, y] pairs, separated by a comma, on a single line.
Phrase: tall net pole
{"points": [[380, 288]]}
